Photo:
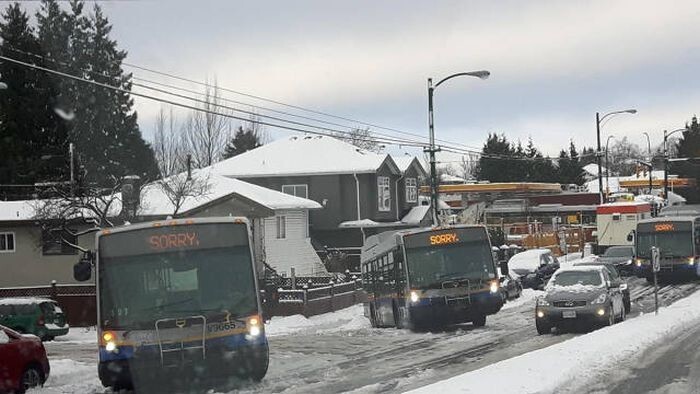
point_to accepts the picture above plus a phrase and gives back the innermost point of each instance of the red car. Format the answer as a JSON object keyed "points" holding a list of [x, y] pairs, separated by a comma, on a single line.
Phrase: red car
{"points": [[23, 361]]}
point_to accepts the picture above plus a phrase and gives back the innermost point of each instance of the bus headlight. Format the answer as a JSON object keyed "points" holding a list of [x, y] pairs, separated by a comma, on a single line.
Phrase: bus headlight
{"points": [[639, 262], [414, 296], [254, 327], [108, 338], [493, 287], [691, 260]]}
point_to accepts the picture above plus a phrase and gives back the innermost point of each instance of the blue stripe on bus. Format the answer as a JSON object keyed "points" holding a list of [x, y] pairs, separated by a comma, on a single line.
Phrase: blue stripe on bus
{"points": [[230, 342]]}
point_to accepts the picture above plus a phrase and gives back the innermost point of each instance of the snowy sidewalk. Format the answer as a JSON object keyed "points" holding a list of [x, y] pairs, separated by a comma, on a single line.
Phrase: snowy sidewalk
{"points": [[573, 363]]}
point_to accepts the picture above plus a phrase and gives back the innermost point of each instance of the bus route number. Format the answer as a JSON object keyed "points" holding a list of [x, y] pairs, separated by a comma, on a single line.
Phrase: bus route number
{"points": [[172, 241], [442, 239], [663, 227]]}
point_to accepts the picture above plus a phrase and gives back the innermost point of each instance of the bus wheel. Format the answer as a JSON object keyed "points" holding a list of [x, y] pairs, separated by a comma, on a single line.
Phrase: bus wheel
{"points": [[479, 321]]}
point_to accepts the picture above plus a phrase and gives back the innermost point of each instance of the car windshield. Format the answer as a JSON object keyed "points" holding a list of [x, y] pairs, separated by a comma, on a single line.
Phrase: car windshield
{"points": [[574, 278], [618, 252]]}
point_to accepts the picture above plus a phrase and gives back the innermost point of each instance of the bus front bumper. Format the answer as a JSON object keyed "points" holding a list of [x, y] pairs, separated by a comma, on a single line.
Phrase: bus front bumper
{"points": [[218, 366], [455, 310]]}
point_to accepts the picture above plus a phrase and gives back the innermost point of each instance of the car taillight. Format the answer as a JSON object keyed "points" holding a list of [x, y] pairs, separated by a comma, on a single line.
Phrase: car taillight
{"points": [[40, 321]]}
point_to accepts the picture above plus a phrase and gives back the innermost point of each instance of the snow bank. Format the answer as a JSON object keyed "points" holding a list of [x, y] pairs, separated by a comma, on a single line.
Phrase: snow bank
{"points": [[79, 335], [578, 360], [347, 319], [528, 296], [69, 376]]}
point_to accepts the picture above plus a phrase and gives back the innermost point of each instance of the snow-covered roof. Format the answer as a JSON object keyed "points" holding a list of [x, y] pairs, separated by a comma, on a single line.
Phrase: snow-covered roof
{"points": [[449, 178], [412, 218], [24, 300], [155, 201], [405, 161], [592, 169], [416, 214], [17, 210], [302, 155], [26, 210]]}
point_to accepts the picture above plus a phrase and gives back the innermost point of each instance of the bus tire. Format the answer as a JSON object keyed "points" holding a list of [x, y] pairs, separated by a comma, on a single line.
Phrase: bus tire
{"points": [[260, 363], [479, 321]]}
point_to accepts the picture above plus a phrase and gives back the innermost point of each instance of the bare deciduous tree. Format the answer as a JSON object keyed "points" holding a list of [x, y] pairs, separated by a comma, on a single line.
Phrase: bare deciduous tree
{"points": [[168, 145], [361, 138], [206, 133], [181, 187], [467, 166]]}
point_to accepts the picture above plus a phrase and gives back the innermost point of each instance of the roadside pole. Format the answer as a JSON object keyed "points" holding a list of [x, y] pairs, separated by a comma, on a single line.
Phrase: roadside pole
{"points": [[655, 267]]}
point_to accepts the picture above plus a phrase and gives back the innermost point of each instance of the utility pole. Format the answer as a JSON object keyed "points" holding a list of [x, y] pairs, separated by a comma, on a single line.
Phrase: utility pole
{"points": [[431, 151], [71, 150], [599, 158]]}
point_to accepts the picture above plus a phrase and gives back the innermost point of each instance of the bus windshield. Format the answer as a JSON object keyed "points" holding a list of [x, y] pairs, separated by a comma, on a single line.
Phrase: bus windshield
{"points": [[211, 279], [429, 266], [672, 244]]}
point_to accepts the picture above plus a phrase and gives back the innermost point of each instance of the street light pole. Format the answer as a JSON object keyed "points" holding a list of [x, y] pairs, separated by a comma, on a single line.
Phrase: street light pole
{"points": [[599, 154], [433, 149], [651, 163], [666, 135]]}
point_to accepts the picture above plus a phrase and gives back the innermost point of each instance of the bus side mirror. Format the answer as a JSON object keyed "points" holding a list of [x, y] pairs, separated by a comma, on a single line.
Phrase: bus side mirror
{"points": [[82, 270], [630, 236]]}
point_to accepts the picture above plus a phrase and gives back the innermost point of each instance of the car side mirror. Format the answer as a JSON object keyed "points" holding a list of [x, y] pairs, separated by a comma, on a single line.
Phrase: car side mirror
{"points": [[504, 268], [4, 338]]}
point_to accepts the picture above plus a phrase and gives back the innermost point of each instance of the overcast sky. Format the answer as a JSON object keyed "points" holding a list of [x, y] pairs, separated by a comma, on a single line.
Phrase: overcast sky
{"points": [[553, 63]]}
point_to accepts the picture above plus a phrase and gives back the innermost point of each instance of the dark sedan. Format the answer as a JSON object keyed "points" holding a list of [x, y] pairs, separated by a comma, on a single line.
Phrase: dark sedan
{"points": [[579, 295], [621, 257], [616, 279]]}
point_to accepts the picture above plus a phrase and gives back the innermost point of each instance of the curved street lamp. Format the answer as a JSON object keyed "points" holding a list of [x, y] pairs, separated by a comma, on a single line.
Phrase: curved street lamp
{"points": [[599, 154], [651, 159], [482, 74], [666, 135]]}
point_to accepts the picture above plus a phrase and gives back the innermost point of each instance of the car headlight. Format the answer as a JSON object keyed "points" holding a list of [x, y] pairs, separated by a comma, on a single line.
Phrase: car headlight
{"points": [[639, 262], [542, 302], [414, 296], [600, 299]]}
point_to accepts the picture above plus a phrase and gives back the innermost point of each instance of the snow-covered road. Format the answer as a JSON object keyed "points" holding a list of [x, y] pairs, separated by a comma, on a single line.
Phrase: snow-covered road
{"points": [[340, 352]]}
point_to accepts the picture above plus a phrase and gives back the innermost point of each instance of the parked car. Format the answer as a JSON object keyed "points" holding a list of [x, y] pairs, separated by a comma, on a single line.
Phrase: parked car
{"points": [[39, 316], [616, 278], [534, 267], [621, 256], [23, 361], [585, 294], [511, 287]]}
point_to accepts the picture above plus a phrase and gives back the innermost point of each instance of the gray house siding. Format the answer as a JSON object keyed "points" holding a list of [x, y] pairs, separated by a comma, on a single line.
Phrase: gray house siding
{"points": [[28, 266]]}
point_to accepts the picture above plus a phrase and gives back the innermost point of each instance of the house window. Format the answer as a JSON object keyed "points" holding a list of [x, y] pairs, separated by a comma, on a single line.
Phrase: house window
{"points": [[281, 227], [296, 190], [384, 193], [7, 242], [411, 190], [52, 242]]}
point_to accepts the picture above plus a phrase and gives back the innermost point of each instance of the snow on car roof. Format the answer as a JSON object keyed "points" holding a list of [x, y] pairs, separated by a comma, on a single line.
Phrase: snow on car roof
{"points": [[528, 254], [582, 267], [24, 300], [302, 155]]}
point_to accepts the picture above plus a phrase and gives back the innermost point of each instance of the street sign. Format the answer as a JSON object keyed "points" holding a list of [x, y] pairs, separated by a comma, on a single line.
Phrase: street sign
{"points": [[656, 267], [655, 259]]}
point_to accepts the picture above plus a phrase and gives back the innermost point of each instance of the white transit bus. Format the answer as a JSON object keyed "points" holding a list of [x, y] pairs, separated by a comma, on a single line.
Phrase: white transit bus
{"points": [[430, 277], [178, 304]]}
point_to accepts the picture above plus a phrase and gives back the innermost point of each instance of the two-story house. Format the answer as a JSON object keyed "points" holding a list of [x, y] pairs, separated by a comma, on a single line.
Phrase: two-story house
{"points": [[361, 191]]}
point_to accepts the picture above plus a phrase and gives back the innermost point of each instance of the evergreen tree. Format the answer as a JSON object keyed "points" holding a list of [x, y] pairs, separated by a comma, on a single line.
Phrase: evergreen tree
{"points": [[30, 130], [242, 141], [689, 146], [103, 125], [492, 162]]}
